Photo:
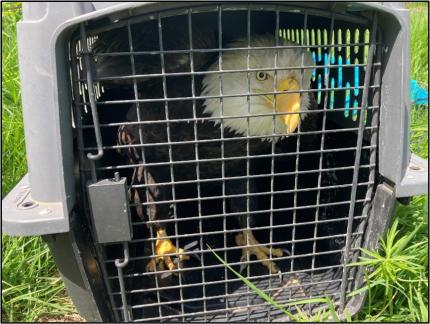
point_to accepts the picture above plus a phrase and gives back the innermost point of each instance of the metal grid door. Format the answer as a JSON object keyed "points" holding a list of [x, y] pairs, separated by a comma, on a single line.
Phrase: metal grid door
{"points": [[314, 188]]}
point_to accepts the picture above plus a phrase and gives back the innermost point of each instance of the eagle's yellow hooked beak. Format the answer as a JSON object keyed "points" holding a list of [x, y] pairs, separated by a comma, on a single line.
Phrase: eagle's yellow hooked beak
{"points": [[289, 103]]}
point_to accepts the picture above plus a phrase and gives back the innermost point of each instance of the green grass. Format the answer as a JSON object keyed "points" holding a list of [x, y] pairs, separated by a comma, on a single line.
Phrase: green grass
{"points": [[13, 150], [419, 42], [397, 286], [31, 286], [328, 313]]}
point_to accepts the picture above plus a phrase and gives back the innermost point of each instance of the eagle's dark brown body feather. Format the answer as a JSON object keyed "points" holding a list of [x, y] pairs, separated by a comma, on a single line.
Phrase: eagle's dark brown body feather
{"points": [[183, 132]]}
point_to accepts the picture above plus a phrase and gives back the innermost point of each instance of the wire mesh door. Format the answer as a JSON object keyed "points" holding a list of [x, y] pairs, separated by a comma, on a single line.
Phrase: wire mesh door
{"points": [[170, 100]]}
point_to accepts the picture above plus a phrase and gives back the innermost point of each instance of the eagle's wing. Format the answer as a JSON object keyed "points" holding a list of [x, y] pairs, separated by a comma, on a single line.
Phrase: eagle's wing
{"points": [[126, 136]]}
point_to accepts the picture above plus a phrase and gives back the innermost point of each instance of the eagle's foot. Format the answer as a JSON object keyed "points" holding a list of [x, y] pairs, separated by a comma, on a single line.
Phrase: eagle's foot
{"points": [[262, 253], [164, 246]]}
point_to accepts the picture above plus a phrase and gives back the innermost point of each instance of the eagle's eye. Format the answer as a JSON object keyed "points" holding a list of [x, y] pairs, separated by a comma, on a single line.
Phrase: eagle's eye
{"points": [[262, 76]]}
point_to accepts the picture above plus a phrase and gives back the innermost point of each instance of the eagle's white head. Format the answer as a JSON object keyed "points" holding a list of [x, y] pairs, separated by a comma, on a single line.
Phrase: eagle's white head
{"points": [[260, 82]]}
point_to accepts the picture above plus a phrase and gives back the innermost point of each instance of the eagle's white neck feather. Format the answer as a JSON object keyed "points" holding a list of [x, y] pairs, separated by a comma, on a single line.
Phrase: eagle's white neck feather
{"points": [[237, 83]]}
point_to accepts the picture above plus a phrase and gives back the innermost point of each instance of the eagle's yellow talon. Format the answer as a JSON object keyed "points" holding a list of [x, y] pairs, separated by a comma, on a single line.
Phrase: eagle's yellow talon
{"points": [[164, 246], [262, 253], [151, 266]]}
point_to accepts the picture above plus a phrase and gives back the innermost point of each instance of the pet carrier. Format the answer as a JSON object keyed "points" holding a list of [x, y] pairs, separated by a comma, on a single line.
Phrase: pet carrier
{"points": [[165, 138]]}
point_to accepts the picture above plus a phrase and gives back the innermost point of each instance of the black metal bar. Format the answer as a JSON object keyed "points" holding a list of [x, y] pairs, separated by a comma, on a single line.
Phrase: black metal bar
{"points": [[372, 160], [232, 231], [226, 49], [222, 140], [234, 158], [364, 104], [224, 204], [272, 159], [142, 151], [228, 71], [217, 266], [256, 213], [322, 144], [248, 101], [221, 118], [265, 276], [196, 149], [172, 174], [117, 102]]}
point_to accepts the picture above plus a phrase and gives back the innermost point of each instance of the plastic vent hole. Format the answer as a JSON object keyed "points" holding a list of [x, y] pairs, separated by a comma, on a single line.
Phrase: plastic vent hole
{"points": [[355, 110], [415, 167], [339, 72], [332, 93], [326, 69], [313, 36], [319, 89], [366, 47], [339, 39], [347, 99], [325, 37], [348, 41], [356, 78], [314, 70], [356, 40], [28, 204]]}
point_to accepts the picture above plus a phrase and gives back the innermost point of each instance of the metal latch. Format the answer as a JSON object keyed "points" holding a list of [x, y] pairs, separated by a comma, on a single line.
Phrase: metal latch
{"points": [[110, 212]]}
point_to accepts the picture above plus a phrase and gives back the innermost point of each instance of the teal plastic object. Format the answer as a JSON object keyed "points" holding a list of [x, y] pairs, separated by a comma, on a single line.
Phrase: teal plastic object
{"points": [[347, 99], [419, 96]]}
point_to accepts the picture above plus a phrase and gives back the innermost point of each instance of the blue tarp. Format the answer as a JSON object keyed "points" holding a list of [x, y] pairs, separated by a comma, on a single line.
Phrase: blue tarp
{"points": [[419, 96]]}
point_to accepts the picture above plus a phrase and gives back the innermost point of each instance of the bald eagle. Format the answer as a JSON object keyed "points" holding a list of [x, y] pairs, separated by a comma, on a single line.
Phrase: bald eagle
{"points": [[246, 125]]}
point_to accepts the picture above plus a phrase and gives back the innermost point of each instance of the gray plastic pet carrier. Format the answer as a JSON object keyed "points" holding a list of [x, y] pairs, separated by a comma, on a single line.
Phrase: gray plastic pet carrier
{"points": [[164, 137]]}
